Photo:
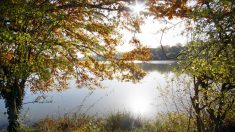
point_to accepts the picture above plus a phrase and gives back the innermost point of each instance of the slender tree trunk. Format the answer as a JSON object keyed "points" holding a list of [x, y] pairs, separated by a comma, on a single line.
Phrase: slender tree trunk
{"points": [[196, 106]]}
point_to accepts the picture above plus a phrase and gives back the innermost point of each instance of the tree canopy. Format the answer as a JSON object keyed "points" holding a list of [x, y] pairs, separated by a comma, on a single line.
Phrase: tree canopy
{"points": [[209, 57], [42, 41]]}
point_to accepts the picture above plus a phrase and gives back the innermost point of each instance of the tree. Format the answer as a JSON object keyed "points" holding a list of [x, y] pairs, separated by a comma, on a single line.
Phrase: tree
{"points": [[210, 57], [41, 42]]}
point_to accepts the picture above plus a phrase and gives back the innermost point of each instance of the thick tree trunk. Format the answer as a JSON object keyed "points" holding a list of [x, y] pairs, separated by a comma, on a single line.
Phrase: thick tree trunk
{"points": [[12, 112], [218, 126], [13, 103]]}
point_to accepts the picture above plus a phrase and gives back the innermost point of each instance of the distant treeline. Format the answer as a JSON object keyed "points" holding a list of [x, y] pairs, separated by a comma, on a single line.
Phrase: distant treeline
{"points": [[166, 52], [160, 53]]}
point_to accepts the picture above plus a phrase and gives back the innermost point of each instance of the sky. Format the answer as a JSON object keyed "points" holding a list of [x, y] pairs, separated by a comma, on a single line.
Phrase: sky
{"points": [[150, 34]]}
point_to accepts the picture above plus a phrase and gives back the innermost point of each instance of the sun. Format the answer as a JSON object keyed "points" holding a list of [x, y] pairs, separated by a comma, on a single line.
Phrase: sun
{"points": [[137, 8]]}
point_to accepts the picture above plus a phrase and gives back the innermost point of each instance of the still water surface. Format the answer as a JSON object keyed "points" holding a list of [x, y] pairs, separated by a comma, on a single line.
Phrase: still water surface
{"points": [[142, 98]]}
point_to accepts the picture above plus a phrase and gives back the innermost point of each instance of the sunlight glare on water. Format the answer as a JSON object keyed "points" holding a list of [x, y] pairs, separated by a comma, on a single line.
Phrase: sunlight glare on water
{"points": [[139, 104], [142, 99]]}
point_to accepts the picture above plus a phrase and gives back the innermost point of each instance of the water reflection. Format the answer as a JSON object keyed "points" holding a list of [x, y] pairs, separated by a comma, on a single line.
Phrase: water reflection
{"points": [[161, 68], [139, 98]]}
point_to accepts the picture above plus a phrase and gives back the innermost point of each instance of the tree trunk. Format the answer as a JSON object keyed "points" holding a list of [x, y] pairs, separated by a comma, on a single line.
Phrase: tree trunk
{"points": [[196, 106], [218, 126], [13, 103]]}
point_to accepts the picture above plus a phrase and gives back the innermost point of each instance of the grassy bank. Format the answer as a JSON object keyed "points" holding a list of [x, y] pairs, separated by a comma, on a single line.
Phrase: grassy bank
{"points": [[113, 122], [124, 122]]}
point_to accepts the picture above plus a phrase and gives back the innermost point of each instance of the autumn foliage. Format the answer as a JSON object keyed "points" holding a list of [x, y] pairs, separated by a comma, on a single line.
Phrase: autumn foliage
{"points": [[43, 42]]}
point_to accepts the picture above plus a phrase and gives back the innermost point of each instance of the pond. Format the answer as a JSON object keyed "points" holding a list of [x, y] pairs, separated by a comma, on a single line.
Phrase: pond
{"points": [[141, 98]]}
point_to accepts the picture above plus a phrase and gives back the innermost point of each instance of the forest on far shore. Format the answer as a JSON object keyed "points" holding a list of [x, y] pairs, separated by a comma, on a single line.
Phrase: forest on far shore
{"points": [[166, 52]]}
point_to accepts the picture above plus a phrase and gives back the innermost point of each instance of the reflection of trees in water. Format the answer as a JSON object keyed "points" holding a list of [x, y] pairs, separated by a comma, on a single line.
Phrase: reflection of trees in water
{"points": [[162, 68]]}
